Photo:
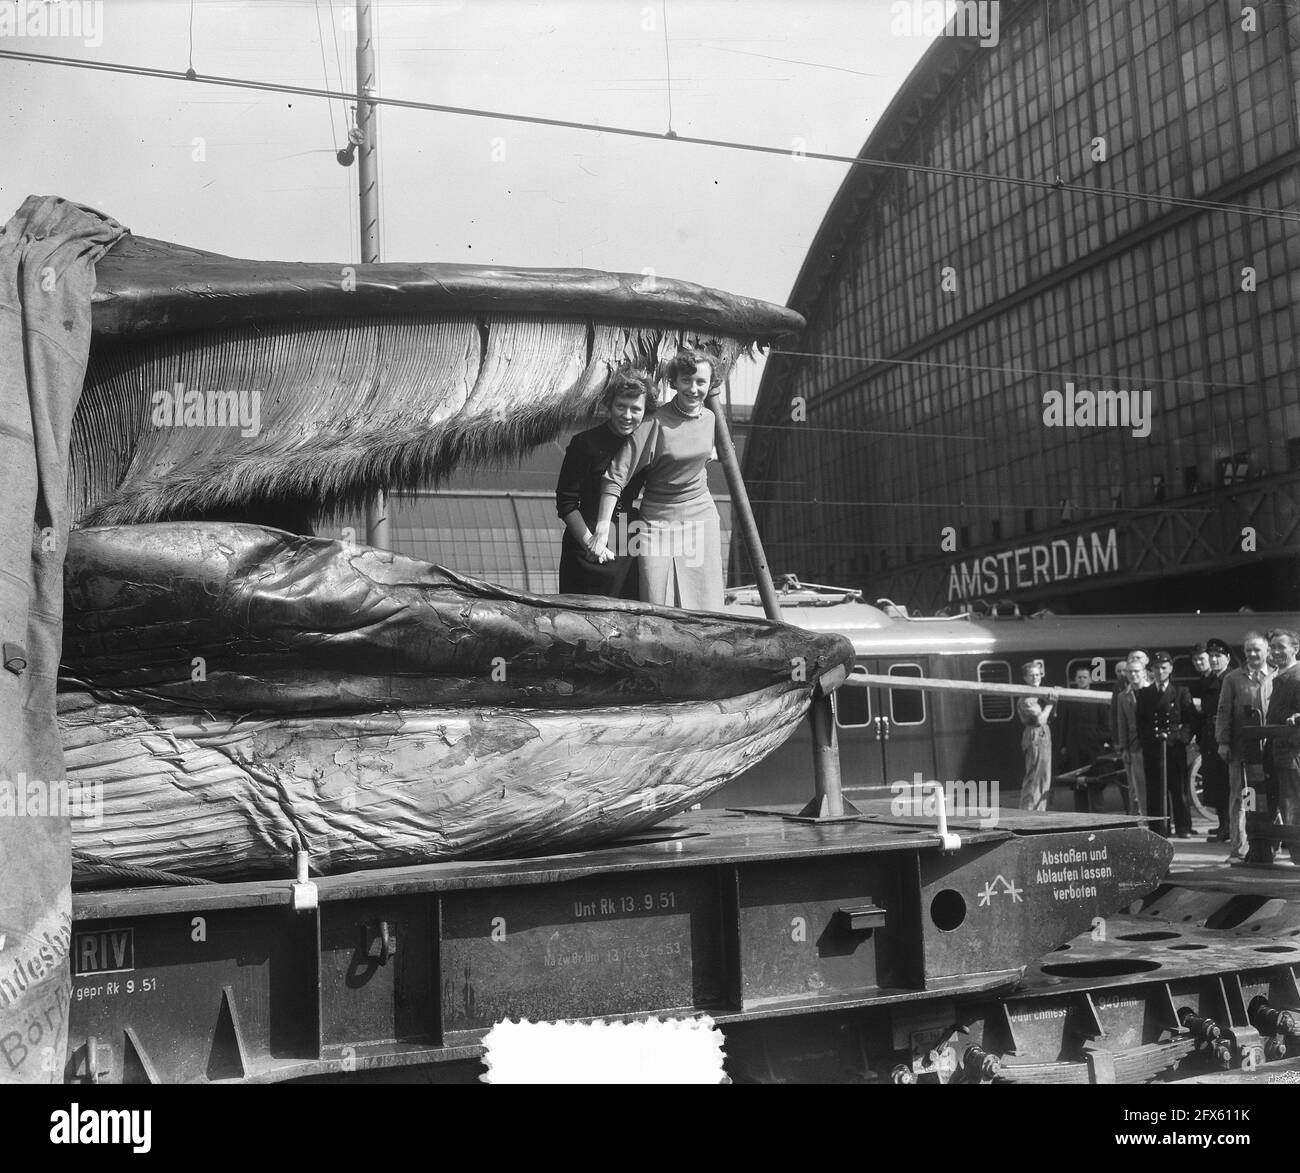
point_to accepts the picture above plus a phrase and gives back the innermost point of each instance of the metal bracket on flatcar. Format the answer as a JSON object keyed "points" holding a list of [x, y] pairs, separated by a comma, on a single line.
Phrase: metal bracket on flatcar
{"points": [[859, 918], [98, 1058], [381, 942], [305, 895], [948, 841]]}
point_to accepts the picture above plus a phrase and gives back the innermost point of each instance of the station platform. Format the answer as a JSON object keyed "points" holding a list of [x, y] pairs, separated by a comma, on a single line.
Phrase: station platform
{"points": [[1200, 864]]}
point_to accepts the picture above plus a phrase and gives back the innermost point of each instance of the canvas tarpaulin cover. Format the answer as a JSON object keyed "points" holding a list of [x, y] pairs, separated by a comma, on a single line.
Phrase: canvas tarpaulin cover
{"points": [[48, 252]]}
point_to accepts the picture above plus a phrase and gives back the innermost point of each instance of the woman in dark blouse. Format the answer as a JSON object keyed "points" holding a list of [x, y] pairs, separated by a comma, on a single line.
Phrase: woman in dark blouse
{"points": [[629, 397]]}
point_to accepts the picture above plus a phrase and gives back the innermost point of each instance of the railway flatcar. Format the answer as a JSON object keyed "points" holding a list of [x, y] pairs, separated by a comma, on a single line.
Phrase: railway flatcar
{"points": [[889, 735]]}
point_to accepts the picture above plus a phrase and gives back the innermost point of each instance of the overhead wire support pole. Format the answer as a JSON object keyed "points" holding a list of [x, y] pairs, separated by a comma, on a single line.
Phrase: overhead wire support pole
{"points": [[377, 530], [828, 802], [742, 515], [368, 125]]}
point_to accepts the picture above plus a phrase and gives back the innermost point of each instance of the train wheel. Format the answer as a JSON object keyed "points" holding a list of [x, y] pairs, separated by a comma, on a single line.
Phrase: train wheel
{"points": [[1195, 788]]}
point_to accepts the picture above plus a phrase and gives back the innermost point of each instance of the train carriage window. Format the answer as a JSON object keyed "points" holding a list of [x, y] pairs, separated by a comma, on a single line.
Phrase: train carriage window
{"points": [[995, 708], [852, 704], [1089, 662], [906, 705]]}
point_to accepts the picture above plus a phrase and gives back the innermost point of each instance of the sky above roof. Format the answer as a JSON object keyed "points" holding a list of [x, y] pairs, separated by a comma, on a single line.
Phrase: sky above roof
{"points": [[253, 174]]}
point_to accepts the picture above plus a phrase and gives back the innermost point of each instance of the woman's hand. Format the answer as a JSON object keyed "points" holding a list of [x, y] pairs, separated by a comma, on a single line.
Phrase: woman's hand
{"points": [[598, 543]]}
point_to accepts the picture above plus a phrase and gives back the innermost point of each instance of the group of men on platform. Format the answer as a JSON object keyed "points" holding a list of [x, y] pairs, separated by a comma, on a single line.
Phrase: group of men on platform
{"points": [[1159, 728]]}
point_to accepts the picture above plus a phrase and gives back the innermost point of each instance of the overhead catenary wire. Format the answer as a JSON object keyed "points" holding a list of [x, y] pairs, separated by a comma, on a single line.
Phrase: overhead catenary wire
{"points": [[338, 57], [1245, 210], [1051, 93], [347, 83], [794, 61], [325, 73], [336, 138], [803, 426], [997, 506], [958, 366], [668, 67]]}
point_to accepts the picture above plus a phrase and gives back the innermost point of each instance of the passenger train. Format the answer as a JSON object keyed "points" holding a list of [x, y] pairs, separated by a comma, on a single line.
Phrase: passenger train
{"points": [[888, 735]]}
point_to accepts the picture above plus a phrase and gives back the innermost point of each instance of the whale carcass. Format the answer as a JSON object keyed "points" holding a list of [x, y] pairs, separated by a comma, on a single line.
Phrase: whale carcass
{"points": [[241, 680]]}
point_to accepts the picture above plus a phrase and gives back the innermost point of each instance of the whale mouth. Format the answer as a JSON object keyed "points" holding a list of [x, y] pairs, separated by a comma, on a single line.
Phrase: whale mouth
{"points": [[238, 693], [276, 392]]}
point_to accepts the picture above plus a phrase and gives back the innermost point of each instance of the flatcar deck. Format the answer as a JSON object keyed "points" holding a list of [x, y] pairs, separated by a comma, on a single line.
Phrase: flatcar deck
{"points": [[695, 839], [1046, 948]]}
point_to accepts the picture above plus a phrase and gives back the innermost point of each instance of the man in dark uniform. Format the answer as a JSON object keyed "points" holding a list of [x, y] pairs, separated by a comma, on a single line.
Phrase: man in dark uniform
{"points": [[1201, 662], [1120, 686], [1205, 698], [1284, 709], [1165, 717]]}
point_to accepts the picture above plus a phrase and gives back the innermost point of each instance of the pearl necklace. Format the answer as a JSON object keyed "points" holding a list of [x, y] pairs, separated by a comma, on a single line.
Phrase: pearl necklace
{"points": [[691, 415]]}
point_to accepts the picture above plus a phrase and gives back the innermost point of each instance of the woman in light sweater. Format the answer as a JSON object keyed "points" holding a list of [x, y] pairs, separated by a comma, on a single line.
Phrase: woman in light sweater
{"points": [[1036, 740], [679, 543]]}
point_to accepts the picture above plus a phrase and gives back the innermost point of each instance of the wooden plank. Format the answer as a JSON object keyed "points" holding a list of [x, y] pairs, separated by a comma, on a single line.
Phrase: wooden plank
{"points": [[930, 684]]}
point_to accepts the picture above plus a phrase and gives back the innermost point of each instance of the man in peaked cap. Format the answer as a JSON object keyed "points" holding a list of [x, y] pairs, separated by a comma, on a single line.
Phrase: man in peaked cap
{"points": [[1205, 694], [1166, 716]]}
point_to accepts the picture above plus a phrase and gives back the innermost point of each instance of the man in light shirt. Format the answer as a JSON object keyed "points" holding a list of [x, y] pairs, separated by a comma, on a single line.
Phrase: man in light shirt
{"points": [[1127, 741], [1246, 688]]}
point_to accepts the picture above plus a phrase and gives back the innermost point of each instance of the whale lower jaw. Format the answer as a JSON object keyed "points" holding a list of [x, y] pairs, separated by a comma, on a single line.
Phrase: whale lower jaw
{"points": [[220, 797]]}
